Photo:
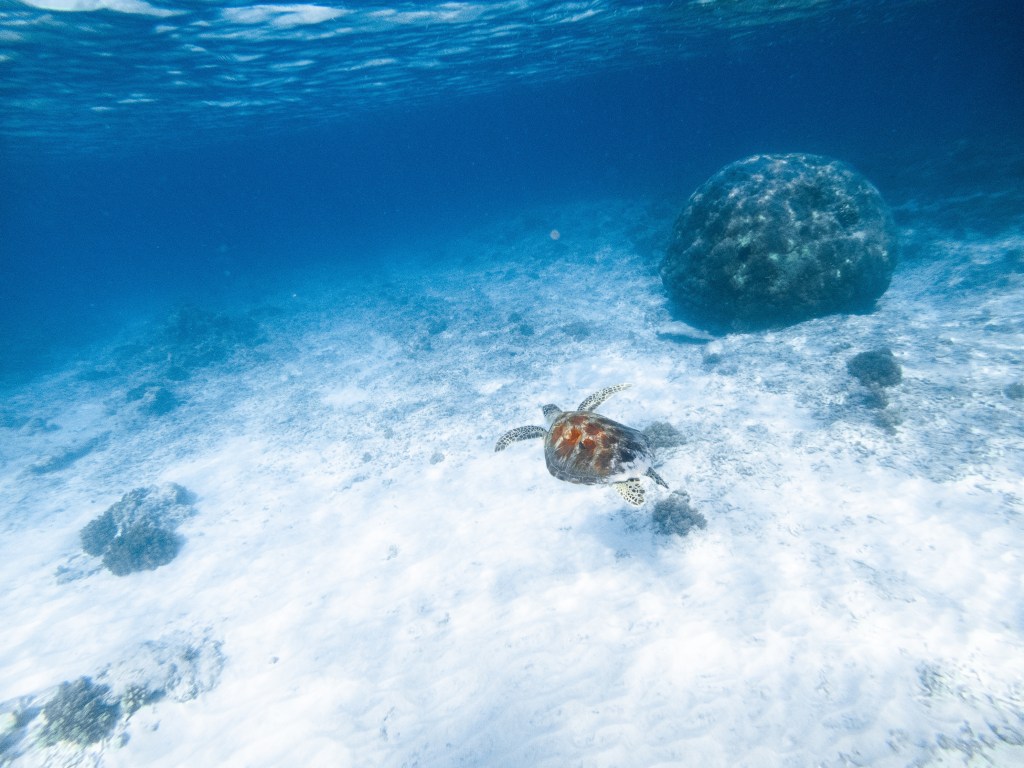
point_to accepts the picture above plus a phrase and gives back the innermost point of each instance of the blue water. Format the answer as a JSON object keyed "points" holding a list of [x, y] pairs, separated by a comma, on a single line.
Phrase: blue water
{"points": [[155, 152], [289, 271]]}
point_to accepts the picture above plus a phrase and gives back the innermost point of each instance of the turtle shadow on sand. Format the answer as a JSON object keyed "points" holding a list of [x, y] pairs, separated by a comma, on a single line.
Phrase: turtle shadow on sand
{"points": [[582, 446]]}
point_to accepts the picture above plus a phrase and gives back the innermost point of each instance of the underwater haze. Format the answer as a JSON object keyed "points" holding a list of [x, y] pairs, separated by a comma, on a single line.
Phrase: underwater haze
{"points": [[275, 278], [153, 152]]}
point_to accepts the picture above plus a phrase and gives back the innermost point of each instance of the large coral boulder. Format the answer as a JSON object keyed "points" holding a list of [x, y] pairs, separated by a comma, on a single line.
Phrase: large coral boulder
{"points": [[773, 240]]}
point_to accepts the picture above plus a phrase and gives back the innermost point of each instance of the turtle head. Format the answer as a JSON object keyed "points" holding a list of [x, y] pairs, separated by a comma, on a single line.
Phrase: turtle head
{"points": [[551, 412]]}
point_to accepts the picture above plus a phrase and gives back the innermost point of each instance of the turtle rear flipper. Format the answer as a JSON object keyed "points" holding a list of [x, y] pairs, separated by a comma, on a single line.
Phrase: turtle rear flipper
{"points": [[600, 396], [517, 434], [656, 478], [631, 490]]}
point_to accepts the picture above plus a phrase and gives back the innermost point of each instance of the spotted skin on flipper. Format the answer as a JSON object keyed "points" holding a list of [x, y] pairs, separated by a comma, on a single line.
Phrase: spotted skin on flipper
{"points": [[517, 434], [594, 400], [631, 490]]}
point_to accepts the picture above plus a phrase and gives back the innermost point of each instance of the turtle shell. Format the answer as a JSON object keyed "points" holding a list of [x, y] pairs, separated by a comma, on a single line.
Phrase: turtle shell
{"points": [[585, 447]]}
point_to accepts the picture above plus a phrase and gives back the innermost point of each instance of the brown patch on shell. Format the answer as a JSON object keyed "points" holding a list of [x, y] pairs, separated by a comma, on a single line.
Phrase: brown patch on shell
{"points": [[585, 447]]}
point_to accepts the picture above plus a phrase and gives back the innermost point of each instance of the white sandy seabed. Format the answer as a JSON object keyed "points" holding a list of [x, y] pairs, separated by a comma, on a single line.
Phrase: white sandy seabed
{"points": [[365, 582]]}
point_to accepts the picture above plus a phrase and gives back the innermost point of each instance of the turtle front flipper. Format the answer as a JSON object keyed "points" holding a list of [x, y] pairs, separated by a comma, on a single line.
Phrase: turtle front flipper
{"points": [[656, 478], [517, 434], [600, 396], [631, 490]]}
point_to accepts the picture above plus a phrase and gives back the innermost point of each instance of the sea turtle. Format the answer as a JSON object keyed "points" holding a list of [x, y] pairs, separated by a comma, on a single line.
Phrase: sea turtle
{"points": [[585, 447]]}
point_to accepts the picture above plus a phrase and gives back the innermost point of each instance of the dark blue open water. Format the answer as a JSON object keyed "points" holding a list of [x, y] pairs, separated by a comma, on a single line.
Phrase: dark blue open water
{"points": [[166, 151]]}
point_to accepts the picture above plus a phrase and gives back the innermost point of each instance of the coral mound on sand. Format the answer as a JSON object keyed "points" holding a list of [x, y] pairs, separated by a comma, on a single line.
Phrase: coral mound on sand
{"points": [[137, 533], [774, 240], [81, 713], [876, 367]]}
